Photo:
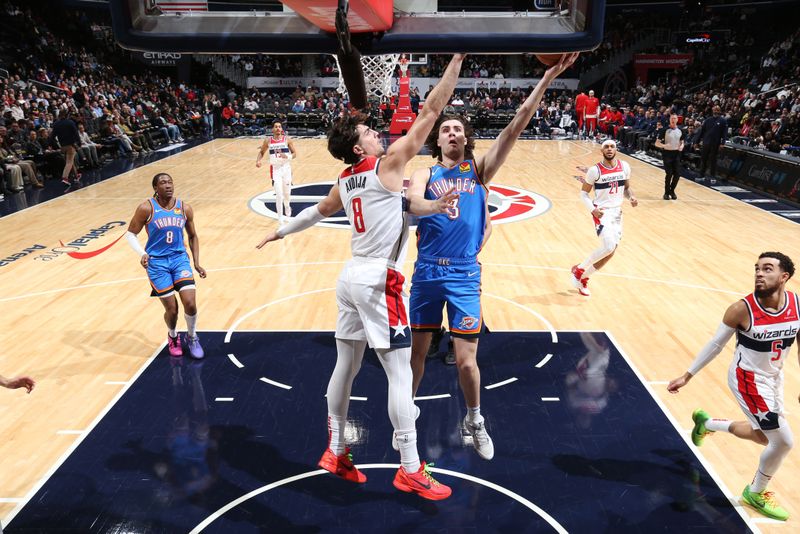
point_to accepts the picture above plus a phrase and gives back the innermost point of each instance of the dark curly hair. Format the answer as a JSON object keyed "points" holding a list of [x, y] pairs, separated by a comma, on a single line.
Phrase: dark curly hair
{"points": [[343, 136], [784, 262], [433, 136], [158, 176]]}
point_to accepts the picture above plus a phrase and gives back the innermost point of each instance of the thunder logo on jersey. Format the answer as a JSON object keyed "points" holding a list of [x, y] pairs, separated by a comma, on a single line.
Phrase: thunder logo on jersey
{"points": [[459, 233], [165, 230]]}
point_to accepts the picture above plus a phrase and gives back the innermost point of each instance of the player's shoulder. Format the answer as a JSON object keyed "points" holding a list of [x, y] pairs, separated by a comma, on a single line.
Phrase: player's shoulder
{"points": [[626, 167]]}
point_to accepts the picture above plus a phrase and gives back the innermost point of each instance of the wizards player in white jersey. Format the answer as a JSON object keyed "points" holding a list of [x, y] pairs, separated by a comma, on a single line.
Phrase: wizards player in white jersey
{"points": [[766, 323], [166, 261], [369, 291], [281, 152], [447, 271], [611, 181]]}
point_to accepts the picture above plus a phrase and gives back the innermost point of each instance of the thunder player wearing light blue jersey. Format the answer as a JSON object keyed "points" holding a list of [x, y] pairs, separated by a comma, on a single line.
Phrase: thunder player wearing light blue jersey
{"points": [[447, 271], [164, 257]]}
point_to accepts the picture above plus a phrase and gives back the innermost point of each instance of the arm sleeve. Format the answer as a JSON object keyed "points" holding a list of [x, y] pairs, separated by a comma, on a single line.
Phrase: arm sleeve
{"points": [[305, 219], [587, 201], [712, 348], [133, 241]]}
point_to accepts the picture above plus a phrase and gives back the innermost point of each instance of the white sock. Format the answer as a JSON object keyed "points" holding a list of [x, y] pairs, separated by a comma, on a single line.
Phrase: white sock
{"points": [[718, 425], [336, 433], [191, 322], [759, 482], [409, 456], [589, 271], [172, 333], [473, 414]]}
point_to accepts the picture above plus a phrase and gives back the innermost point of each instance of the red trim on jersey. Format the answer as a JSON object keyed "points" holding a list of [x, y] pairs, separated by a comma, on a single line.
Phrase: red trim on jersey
{"points": [[745, 380], [366, 164], [395, 306], [762, 317], [605, 170]]}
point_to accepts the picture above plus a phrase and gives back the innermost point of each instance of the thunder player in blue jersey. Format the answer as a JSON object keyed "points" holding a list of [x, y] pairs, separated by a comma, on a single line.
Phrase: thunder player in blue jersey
{"points": [[165, 259], [447, 271]]}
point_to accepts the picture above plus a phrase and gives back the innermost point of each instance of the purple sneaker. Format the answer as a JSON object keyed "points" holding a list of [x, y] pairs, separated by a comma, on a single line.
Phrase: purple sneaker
{"points": [[195, 349], [174, 344]]}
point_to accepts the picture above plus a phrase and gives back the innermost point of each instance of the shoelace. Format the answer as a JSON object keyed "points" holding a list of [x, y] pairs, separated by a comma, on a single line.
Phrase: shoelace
{"points": [[769, 499], [426, 472]]}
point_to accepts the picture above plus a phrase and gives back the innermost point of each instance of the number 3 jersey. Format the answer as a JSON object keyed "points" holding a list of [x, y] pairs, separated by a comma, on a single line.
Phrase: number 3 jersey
{"points": [[609, 184], [458, 233], [377, 216], [763, 347], [165, 230]]}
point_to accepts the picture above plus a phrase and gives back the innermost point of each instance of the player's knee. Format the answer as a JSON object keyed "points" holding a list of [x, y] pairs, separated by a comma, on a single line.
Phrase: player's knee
{"points": [[190, 308], [467, 365]]}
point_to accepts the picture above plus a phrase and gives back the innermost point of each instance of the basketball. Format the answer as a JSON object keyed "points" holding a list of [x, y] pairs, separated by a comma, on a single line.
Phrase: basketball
{"points": [[549, 59]]}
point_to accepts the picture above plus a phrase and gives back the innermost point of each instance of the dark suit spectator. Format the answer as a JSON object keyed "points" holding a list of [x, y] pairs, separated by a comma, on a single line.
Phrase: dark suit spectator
{"points": [[712, 134], [66, 133]]}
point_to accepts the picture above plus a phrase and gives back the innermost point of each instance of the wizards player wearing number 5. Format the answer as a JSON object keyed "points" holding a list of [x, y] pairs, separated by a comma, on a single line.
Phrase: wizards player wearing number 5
{"points": [[611, 181], [281, 152], [165, 259], [766, 324], [447, 271]]}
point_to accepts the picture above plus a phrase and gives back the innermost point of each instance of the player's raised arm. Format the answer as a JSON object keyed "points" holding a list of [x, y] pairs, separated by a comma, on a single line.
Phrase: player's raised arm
{"points": [[489, 163], [405, 148], [307, 218]]}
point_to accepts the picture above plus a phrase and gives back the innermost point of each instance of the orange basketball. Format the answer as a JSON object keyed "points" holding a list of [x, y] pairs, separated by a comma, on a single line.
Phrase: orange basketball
{"points": [[549, 59]]}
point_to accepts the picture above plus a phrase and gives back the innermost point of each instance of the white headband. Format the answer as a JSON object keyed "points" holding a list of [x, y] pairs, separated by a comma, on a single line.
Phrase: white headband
{"points": [[609, 142]]}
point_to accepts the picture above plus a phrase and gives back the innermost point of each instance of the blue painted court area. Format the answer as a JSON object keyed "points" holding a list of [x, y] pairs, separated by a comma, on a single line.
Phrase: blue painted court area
{"points": [[580, 446]]}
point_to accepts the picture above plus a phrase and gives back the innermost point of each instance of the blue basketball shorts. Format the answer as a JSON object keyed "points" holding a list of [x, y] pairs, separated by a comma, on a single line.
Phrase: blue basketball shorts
{"points": [[168, 274], [441, 283]]}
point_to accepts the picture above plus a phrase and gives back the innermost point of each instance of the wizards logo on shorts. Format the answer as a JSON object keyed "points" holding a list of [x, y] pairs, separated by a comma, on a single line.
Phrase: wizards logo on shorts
{"points": [[507, 203]]}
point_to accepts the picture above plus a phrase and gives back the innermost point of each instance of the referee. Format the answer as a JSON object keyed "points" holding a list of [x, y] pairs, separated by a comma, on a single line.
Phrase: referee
{"points": [[670, 141]]}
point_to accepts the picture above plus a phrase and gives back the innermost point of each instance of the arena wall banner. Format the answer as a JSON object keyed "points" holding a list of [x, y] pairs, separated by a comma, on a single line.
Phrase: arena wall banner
{"points": [[642, 63], [771, 173], [421, 84]]}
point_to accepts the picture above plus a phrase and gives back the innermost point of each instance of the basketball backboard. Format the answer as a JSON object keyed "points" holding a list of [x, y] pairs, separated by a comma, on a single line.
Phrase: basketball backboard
{"points": [[417, 27]]}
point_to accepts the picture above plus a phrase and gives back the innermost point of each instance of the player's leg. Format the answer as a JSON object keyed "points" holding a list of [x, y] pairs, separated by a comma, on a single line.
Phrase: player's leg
{"points": [[277, 186], [425, 315], [350, 345], [163, 287], [466, 324], [287, 191], [610, 233], [183, 281]]}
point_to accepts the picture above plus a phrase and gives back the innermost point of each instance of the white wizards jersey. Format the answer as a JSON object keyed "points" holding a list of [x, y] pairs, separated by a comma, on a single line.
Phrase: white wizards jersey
{"points": [[763, 347], [609, 184], [377, 217], [279, 147]]}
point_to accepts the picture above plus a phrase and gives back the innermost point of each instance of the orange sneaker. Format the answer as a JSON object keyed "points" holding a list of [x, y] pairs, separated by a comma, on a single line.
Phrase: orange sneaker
{"points": [[422, 483], [341, 466]]}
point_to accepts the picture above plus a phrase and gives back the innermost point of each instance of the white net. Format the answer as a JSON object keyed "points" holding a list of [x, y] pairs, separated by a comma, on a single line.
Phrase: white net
{"points": [[378, 72]]}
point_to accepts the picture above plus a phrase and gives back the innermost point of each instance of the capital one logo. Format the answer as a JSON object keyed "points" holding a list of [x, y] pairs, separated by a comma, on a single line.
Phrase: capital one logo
{"points": [[506, 203]]}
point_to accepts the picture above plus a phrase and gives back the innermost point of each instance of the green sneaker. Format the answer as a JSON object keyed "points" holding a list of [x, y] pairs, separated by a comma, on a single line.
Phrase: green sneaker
{"points": [[699, 431], [765, 503]]}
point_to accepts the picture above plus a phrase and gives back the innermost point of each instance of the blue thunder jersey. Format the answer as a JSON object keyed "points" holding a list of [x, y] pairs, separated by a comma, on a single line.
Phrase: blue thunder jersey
{"points": [[165, 230], [458, 233]]}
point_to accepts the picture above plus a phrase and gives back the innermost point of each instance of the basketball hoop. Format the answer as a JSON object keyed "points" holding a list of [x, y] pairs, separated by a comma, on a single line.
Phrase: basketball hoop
{"points": [[378, 72]]}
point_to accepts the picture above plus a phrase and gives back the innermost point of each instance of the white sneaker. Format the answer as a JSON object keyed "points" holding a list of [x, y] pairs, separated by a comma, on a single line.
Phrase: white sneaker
{"points": [[480, 438], [395, 445]]}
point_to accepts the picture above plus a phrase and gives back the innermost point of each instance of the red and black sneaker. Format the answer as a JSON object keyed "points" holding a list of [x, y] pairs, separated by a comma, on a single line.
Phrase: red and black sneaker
{"points": [[341, 466], [422, 483]]}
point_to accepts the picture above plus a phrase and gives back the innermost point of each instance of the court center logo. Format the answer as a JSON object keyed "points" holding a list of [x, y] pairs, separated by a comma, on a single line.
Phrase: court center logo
{"points": [[506, 203]]}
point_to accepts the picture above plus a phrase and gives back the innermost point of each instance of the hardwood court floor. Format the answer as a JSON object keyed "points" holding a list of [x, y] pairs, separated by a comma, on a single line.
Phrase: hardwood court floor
{"points": [[84, 327]]}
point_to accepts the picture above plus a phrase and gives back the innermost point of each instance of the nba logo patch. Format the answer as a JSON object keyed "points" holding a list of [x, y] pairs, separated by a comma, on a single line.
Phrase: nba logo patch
{"points": [[468, 323], [464, 167]]}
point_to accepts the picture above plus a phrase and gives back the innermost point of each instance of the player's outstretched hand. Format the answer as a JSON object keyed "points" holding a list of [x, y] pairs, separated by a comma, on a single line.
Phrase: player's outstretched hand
{"points": [[21, 382], [563, 64], [272, 236], [144, 260], [445, 202], [677, 383], [200, 270]]}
